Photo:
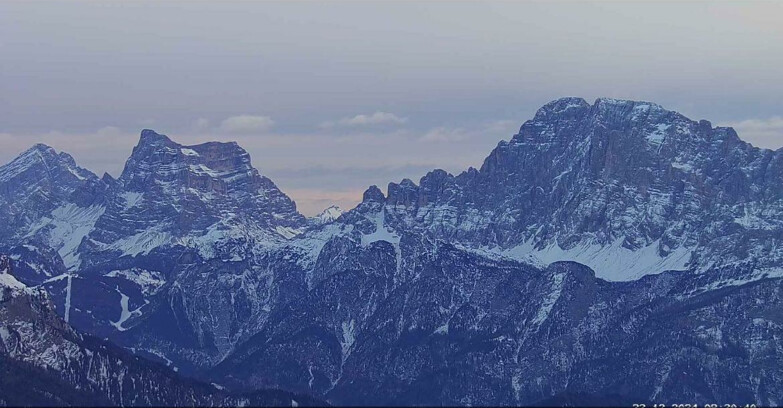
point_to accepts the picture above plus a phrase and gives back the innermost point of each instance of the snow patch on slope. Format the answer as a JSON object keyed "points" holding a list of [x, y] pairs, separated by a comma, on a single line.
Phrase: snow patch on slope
{"points": [[148, 281], [68, 298], [287, 232], [349, 337], [755, 275], [68, 225], [76, 174], [549, 301], [141, 243], [311, 243], [8, 281], [656, 137], [126, 314], [612, 262], [131, 198], [752, 221], [381, 233], [686, 167]]}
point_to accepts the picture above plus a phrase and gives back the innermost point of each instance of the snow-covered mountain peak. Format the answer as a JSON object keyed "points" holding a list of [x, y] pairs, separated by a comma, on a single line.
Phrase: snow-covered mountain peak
{"points": [[615, 182], [609, 103], [39, 148], [48, 160], [170, 194], [328, 215], [212, 167], [194, 257], [567, 105], [36, 186]]}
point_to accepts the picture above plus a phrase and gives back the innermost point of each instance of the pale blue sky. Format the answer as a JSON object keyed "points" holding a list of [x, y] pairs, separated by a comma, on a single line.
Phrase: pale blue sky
{"points": [[329, 98]]}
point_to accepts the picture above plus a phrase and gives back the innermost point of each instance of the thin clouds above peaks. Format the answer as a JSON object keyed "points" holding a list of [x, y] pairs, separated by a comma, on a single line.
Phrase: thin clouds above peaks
{"points": [[246, 124], [374, 119]]}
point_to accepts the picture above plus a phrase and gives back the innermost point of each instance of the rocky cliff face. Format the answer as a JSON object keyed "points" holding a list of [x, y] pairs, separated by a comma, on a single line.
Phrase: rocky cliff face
{"points": [[625, 187], [46, 362], [173, 207], [198, 197], [612, 252], [47, 198], [398, 318]]}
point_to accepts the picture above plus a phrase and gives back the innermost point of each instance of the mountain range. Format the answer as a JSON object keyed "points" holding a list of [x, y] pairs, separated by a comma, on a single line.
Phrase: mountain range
{"points": [[608, 253]]}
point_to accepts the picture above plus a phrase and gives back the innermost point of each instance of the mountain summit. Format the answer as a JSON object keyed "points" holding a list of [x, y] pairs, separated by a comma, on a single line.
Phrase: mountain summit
{"points": [[327, 215], [626, 187], [172, 194], [636, 251]]}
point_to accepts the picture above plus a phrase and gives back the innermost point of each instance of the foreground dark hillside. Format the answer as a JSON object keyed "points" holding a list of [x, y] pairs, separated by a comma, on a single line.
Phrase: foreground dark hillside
{"points": [[44, 362]]}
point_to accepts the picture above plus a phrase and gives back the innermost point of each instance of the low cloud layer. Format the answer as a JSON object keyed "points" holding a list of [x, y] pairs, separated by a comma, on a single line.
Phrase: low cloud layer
{"points": [[377, 118], [246, 124], [444, 134]]}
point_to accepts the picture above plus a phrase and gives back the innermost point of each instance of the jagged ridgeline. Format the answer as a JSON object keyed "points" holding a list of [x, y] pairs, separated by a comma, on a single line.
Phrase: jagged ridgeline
{"points": [[609, 253]]}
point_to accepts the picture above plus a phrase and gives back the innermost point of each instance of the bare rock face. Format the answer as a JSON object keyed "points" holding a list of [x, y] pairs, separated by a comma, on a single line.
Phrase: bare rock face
{"points": [[47, 362], [190, 196], [416, 322], [104, 259], [605, 183], [607, 254], [38, 181], [48, 199]]}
